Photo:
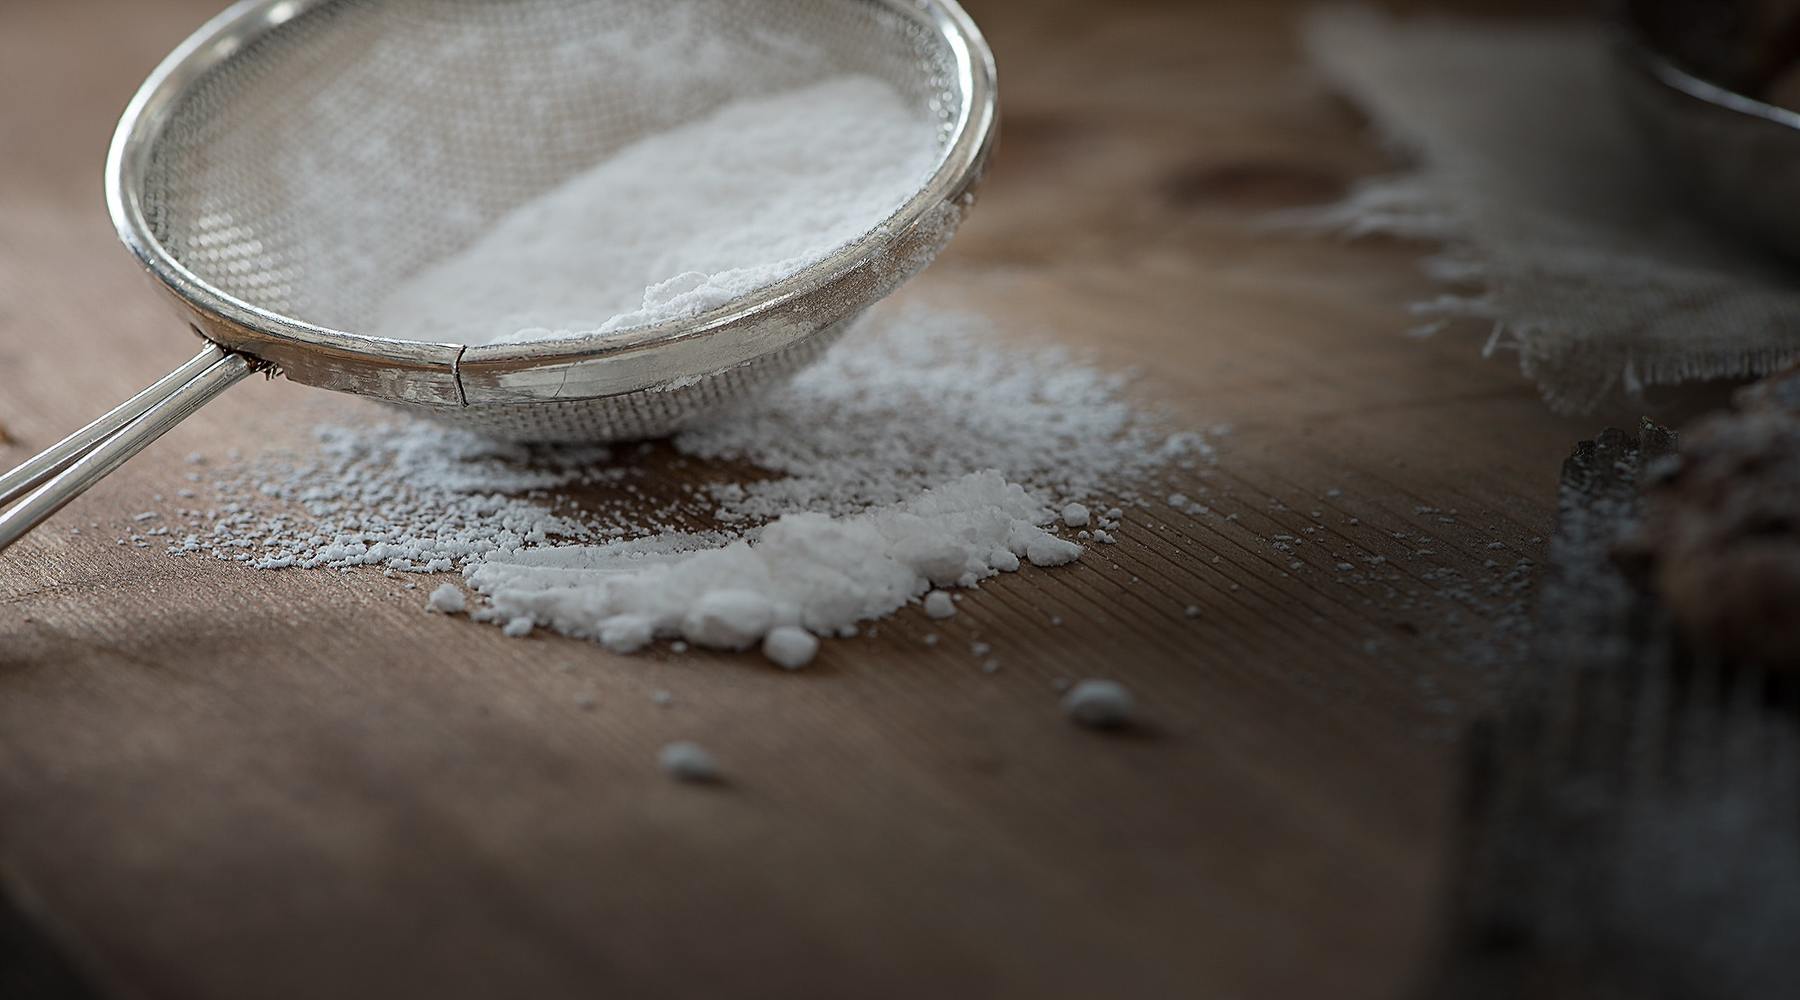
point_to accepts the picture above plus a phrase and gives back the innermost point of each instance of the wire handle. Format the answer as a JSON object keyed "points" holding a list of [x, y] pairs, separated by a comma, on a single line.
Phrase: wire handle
{"points": [[65, 470]]}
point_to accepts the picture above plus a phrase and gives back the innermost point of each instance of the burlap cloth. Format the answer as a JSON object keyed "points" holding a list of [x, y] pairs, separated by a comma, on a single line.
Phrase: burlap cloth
{"points": [[1555, 221]]}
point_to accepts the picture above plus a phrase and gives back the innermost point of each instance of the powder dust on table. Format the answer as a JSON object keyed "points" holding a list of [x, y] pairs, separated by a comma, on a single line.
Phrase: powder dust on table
{"points": [[924, 451]]}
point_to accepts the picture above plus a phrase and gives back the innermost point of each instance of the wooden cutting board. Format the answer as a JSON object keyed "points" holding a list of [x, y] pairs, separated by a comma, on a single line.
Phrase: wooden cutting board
{"points": [[222, 783]]}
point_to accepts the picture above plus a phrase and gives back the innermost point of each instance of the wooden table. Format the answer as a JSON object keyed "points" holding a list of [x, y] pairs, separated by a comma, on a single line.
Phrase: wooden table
{"points": [[223, 783]]}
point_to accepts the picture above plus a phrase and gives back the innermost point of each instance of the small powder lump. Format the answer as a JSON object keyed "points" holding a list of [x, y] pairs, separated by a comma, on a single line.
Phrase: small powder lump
{"points": [[1099, 704], [938, 604], [679, 222], [688, 761], [447, 600], [790, 647], [733, 618]]}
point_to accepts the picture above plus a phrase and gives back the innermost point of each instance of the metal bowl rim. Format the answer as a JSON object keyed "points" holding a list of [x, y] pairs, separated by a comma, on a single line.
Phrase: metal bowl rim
{"points": [[1663, 68]]}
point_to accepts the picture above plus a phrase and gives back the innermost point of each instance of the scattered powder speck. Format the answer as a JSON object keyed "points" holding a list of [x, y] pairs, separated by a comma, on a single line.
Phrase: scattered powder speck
{"points": [[1099, 704], [688, 761]]}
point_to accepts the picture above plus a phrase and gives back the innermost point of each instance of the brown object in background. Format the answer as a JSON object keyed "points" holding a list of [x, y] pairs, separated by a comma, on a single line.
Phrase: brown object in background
{"points": [[1629, 823], [1721, 536]]}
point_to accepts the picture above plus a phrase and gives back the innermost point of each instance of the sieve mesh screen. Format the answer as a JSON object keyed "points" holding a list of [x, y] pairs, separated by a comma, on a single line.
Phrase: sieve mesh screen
{"points": [[339, 152]]}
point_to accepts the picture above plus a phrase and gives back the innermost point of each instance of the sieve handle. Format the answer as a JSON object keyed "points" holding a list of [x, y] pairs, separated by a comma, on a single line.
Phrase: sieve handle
{"points": [[66, 469]]}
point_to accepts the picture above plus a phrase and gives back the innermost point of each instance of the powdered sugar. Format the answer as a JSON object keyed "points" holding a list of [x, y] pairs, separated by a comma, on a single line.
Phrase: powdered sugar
{"points": [[1099, 704], [809, 570], [926, 451], [680, 222], [688, 761], [939, 605], [923, 397], [447, 600], [790, 647]]}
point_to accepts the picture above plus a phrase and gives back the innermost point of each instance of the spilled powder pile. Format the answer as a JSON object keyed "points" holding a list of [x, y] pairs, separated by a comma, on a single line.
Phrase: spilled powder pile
{"points": [[680, 222], [821, 573], [923, 451]]}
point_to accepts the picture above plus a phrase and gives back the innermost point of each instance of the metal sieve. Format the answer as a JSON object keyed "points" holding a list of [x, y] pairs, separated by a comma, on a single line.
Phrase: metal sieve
{"points": [[293, 159]]}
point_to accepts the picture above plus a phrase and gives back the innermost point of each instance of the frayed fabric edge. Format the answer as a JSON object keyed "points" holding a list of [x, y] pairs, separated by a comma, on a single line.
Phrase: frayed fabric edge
{"points": [[1407, 206]]}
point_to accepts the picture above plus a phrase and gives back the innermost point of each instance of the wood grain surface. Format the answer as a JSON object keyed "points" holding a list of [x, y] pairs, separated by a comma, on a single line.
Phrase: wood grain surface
{"points": [[223, 783]]}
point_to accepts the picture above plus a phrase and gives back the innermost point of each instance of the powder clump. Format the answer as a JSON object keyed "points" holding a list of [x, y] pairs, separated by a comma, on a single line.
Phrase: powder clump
{"points": [[790, 647], [817, 572], [688, 761], [447, 600], [727, 619], [939, 605], [626, 633], [1099, 704]]}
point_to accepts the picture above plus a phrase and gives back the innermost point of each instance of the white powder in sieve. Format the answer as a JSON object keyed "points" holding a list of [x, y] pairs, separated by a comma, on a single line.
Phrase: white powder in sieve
{"points": [[924, 451], [680, 222]]}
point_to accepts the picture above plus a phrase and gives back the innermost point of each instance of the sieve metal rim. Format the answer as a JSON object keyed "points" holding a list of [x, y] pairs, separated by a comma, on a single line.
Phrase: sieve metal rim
{"points": [[451, 375]]}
